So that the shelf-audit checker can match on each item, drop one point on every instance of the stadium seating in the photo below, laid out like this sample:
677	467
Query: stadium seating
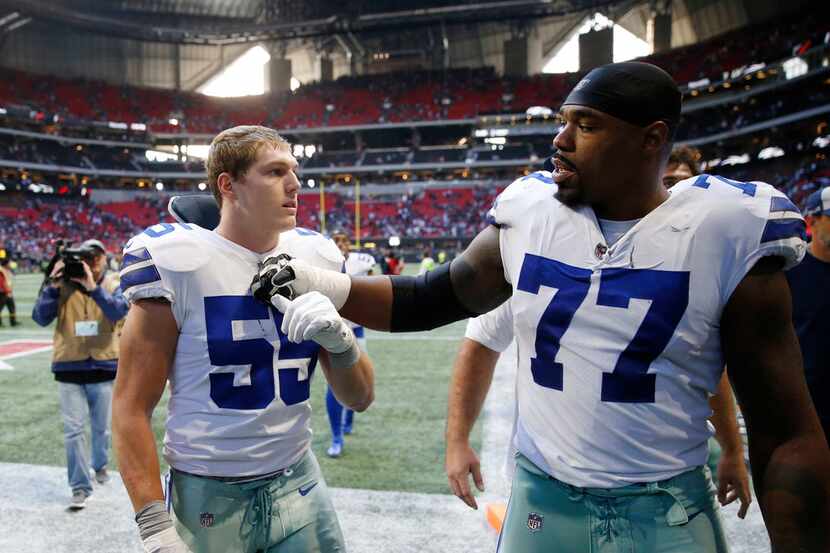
396	97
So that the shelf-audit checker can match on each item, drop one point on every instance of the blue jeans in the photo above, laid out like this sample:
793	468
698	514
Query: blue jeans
79	403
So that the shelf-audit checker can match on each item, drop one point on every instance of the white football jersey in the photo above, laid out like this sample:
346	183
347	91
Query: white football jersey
359	263
238	388
494	329
619	347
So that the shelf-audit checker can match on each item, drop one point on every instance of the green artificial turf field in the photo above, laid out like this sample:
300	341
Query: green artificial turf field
397	444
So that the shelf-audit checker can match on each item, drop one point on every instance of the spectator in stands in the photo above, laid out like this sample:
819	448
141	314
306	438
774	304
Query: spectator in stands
6	292
810	289
683	163
89	310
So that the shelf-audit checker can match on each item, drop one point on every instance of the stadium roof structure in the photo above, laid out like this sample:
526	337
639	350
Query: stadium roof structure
234	21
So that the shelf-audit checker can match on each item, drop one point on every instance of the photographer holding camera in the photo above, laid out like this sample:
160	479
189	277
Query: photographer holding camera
87	302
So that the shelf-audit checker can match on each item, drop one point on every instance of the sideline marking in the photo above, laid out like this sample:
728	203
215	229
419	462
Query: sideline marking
12	349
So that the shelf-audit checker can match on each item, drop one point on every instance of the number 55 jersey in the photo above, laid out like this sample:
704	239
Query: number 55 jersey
238	388
619	346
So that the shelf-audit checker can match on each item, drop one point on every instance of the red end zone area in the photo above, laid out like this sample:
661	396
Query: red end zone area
12	349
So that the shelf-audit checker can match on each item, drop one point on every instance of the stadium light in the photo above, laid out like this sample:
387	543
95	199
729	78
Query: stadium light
770	152
539	111
795	67
202	186
159	186
822	141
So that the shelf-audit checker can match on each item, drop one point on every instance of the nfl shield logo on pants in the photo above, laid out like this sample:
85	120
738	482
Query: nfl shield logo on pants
534	522
206	520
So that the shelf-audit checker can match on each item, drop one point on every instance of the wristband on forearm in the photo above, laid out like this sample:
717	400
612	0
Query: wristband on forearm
152	519
345	359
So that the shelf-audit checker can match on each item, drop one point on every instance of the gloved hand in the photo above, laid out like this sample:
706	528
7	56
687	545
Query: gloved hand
288	277
312	316
166	541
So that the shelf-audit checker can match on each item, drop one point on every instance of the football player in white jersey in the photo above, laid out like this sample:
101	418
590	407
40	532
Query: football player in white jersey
341	420
627	301
243	477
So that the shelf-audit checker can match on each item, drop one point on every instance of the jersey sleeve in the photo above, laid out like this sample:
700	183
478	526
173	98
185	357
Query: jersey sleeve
785	232
493	330
760	222
155	264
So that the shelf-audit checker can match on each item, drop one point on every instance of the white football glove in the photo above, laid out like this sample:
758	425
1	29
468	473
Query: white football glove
166	541
312	316
291	278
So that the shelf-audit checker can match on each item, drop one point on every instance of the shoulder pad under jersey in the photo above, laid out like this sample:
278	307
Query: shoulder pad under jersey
520	196
153	259
312	247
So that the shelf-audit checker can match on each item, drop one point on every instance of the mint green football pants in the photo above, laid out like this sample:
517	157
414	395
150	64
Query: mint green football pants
291	513
678	515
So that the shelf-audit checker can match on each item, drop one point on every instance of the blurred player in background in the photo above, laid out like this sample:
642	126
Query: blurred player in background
341	419
243	477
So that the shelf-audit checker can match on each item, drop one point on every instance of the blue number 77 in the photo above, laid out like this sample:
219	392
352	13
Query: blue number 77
630	381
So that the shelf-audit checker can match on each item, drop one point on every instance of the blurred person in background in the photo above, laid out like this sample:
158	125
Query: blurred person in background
427	262
810	289
341	419
89	312
7	292
683	163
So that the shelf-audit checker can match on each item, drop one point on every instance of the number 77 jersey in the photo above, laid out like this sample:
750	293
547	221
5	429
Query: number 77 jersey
619	347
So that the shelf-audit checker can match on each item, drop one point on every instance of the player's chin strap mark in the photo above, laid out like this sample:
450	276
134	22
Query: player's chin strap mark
274	277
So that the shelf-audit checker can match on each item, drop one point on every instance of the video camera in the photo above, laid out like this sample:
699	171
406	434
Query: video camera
72	258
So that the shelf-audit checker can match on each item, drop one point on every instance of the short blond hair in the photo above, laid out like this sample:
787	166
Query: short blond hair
234	150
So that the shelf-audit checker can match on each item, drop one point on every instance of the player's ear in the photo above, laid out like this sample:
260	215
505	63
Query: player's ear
656	137
225	185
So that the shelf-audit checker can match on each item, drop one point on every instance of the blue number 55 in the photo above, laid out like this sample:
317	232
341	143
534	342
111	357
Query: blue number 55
220	312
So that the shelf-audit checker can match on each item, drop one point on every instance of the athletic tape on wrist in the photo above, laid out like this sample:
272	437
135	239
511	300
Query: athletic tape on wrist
152	519
345	359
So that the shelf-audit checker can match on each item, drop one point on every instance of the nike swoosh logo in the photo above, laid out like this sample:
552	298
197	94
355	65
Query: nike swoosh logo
304	491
